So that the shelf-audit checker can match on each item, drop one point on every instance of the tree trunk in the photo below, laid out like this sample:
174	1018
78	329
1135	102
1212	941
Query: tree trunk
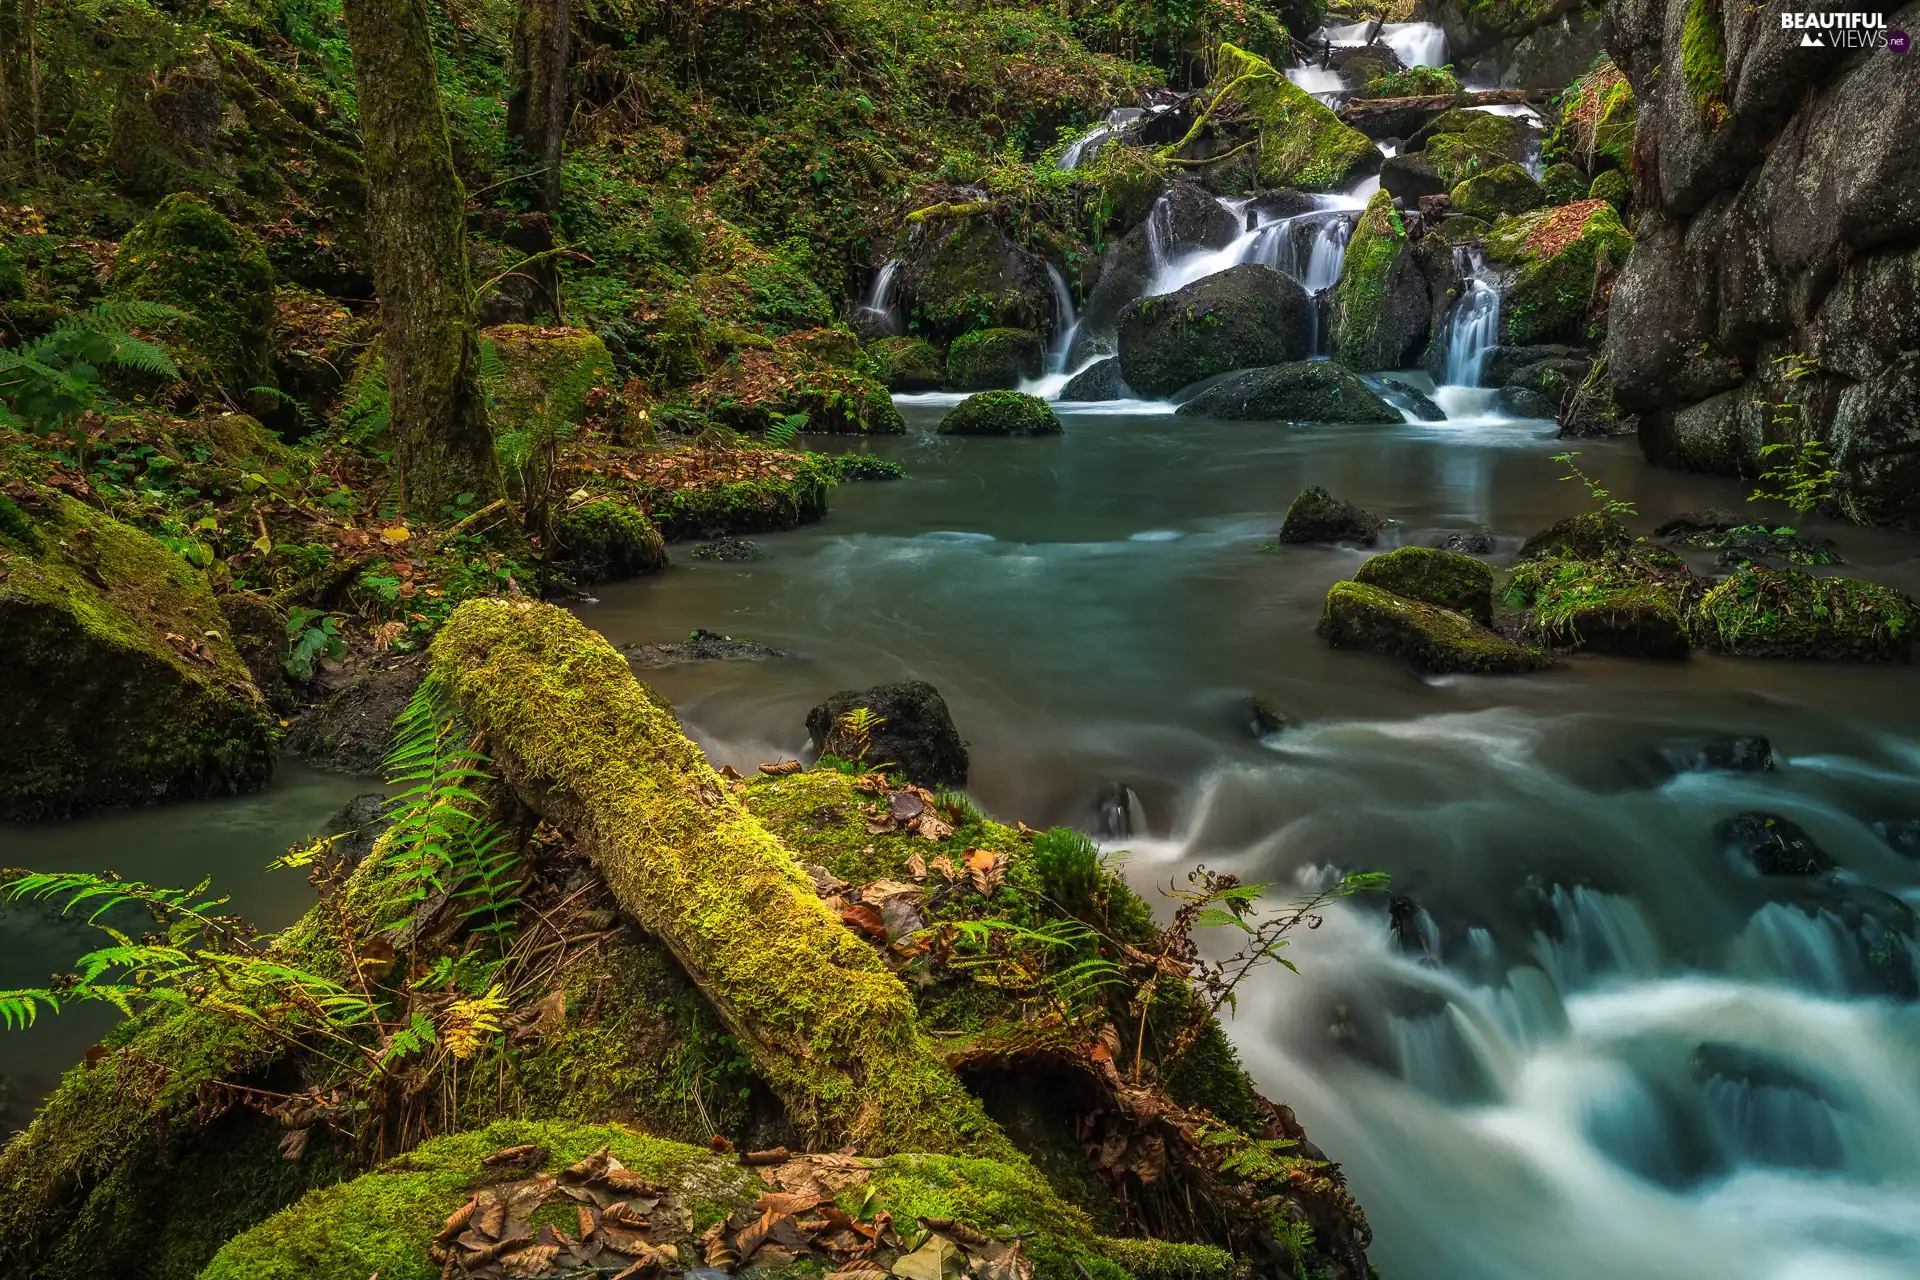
537	112
586	746
417	238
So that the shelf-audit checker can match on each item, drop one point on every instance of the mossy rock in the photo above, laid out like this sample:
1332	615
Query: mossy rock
1318	516
1302	143
1785	613
1507	189
1380	304
1590	536
994	359
541	377
747	499
1001	413
1622	605
1562	260
186	254
240	441
1595	130
914	735
1433	576
605	540
1563	184
1614	187
759	387
1304	391
124	688
1414	82
1433	640
1245	317
965	273
1462	143
907	364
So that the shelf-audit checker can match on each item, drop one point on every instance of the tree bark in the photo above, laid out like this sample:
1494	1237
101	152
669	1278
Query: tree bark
417	237
537	112
1362	108
586	746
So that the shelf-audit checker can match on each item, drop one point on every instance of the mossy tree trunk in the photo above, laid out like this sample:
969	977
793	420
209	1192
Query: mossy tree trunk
584	744
416	233
537	112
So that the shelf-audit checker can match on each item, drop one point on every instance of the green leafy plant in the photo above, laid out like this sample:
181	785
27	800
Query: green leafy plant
312	634
1603	498
859	725
1801	476
782	433
1059	960
48	383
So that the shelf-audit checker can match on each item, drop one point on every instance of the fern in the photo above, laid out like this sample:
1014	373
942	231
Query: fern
303	415
55	378
781	434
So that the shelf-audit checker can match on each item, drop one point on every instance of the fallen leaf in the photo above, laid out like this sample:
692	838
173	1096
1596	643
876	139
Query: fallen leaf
529	1263
879	891
787	1202
986	869
730	773
916	866
938	1259
864	918
782	769
931	827
397	534
293	1143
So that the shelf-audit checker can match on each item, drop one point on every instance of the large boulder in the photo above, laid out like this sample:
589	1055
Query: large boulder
1784	613
1502	365
1506	189
1100	380
1244	317
1000	413
1463	142
1318	516
1591	536
909	730
994	359
1515	43
1433	576
1563	262
1380	305
1629	605
1596	126
605	540
123	687
960	271
1304	391
186	254
907	364
1299	141
1432	640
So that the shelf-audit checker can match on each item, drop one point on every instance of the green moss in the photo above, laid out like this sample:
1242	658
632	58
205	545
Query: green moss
1589	536
1361	340
1463	143
188	255
15	525
1432	640
973	280
604	541
1595	129
537	375
1446	578
994	359
1620	604
907	364
1302	143
1563	184
1414	82
1561	260
1703	60
786	496
1000	413
1614	187
1488	195
1769	613
1164	1260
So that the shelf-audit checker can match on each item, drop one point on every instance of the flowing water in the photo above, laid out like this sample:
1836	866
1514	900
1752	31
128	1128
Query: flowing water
1474	326
1419	44
882	304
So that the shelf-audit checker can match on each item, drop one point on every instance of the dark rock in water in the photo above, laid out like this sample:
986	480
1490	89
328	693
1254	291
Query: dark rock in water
1522	403
1472	544
994	359
1555	381
1409	925
1098	381
1739	544
701	646
1771	845
914	734
1446	578
1585	537
1318	516
1000	413
1412	175
1113	812
1900	835
1502	363
1432	640
1714	520
1241	318
1742	753
729	550
352	730
1360	63
1305	391
1736	1062
1190	217
360	822
1262	720
1418	401
1270	206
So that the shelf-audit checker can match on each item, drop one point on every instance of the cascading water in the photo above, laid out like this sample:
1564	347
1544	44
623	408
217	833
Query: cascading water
1083	147
1475	323
1418	44
880	306
1064	320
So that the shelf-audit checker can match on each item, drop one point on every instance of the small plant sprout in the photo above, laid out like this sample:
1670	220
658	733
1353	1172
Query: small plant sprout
859	725
1800	476
1608	504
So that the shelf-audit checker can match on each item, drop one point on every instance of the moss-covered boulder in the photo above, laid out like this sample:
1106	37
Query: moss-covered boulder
801	373
1381	306
1592	535
1563	261
541	378
1318	516
1304	391
1432	640
1463	142
1614	187
186	254
1245	317
1785	613
1563	184
1000	413
604	540
1595	130
1434	576
123	687
963	272
994	359
1414	82
1507	189
907	364
1629	605
1301	143
913	733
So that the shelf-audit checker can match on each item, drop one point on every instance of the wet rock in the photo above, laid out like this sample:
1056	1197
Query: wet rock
1446	578
1098	381
1270	206
1522	403
958	270
1000	413
1738	542
1245	317
1411	177
1417	401
1380	304
359	823
1628	606
1190	217
1502	190
1734	753
351	731
1318	516
701	646
907	364
606	540
1262	721
1770	845
729	551
1432	640
1305	391
1784	613
1561	262
994	359
1113	808
1563	184
258	630
1503	363
1357	64
1551	382
1408	925
1714	520
1901	835
1472	544
914	735
1583	537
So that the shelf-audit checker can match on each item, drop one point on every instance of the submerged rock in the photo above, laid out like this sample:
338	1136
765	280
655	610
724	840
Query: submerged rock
701	646
606	540
1098	381
1740	753
358	824
1318	516
1433	640
122	686
1902	835
1784	613
1304	391
1001	413
994	359
912	735
1418	401
1472	544
1261	719
1244	317
1446	578
1771	845
729	551
907	364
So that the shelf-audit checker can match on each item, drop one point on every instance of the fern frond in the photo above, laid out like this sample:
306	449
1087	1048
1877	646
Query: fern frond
118	315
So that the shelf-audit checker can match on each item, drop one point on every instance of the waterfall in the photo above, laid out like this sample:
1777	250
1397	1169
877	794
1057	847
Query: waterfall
1418	44
1475	324
1064	321
1323	83
1083	147
880	302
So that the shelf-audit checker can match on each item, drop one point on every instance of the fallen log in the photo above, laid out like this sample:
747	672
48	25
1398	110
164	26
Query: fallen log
586	746
1367	108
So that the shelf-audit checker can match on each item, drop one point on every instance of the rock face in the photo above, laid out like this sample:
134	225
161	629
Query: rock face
1380	305
992	359
907	364
352	730
958	271
1318	516
1304	391
1000	413
914	734
1434	641
1446	578
1784	613
1779	222
1098	381
1244	317
1515	43
122	686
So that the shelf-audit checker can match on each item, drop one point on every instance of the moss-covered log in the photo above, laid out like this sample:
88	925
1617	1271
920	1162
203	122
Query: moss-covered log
416	233
585	745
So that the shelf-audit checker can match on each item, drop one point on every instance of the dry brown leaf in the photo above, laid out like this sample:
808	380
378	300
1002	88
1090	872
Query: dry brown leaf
717	1250
456	1222
522	1154
931	827
293	1143
787	1203
731	774
782	769
588	1223
880	890
944	865
916	866
865	919
986	869
529	1263
492	1222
